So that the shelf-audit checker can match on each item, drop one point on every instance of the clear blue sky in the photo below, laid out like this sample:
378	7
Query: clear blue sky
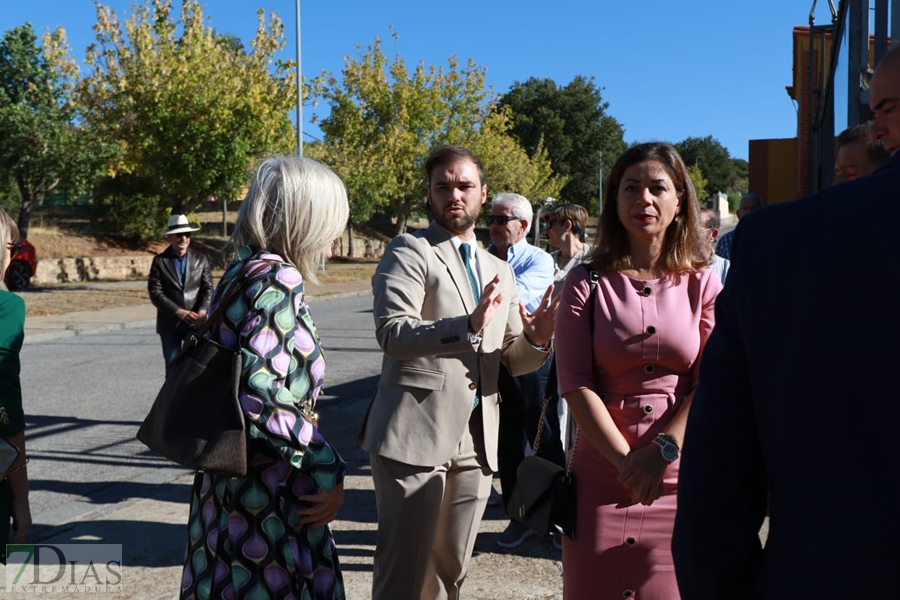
669	69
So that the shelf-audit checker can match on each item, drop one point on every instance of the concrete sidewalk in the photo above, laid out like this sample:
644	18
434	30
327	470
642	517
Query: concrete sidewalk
152	529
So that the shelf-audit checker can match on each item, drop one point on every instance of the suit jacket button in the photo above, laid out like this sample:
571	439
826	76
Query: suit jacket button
630	541
473	386
651	329
647	290
648	409
649	368
628	593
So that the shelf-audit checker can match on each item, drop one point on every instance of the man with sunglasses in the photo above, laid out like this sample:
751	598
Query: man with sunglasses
522	396
180	287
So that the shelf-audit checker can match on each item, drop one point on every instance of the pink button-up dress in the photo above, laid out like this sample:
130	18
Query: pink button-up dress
642	360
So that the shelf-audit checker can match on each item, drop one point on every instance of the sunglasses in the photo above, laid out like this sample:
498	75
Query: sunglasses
14	248
501	220
186	234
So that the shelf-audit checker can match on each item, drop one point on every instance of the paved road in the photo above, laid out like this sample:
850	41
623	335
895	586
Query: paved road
92	481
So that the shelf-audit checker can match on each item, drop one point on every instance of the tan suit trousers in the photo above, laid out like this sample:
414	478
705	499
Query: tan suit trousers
428	518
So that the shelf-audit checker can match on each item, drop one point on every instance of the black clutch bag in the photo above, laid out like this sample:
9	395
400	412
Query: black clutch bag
544	497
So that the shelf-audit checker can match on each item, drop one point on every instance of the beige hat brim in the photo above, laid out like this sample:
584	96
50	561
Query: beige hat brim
182	229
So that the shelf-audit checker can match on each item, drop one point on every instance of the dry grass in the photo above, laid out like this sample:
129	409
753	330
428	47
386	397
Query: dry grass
62	299
339	276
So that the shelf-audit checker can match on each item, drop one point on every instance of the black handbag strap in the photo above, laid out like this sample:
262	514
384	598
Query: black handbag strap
552	377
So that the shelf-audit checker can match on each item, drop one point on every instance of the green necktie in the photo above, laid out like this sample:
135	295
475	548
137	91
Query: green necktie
465	251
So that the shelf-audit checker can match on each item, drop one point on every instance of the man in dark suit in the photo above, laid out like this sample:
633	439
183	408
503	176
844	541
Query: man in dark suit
446	316
180	287
795	410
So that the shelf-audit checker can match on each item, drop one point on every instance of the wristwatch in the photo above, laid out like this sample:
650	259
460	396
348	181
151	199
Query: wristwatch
667	447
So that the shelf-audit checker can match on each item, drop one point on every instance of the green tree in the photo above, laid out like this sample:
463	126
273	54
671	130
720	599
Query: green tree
572	123
507	166
700	183
385	117
41	147
189	107
713	159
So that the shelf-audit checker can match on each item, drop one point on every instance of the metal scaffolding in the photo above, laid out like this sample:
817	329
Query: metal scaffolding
852	16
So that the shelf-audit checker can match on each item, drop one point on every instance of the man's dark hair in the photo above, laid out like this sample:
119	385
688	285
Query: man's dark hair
449	154
710	219
860	134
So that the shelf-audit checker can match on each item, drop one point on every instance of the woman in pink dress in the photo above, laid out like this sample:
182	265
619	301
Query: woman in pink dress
629	379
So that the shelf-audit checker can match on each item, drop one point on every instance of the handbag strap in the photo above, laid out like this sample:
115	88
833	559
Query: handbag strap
245	273
551	380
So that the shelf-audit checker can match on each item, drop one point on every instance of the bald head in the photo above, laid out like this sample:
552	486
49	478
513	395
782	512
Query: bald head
884	100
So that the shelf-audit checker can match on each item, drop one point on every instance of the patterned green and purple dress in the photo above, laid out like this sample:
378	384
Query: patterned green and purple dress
244	536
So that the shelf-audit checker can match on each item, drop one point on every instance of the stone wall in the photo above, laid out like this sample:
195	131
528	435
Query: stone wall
115	268
61	270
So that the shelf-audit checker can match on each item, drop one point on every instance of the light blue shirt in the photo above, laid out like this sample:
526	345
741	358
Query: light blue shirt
720	266
534	272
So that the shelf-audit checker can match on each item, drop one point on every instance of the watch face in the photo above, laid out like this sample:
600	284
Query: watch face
670	452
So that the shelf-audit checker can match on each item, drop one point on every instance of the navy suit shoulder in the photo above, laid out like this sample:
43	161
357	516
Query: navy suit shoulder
794	404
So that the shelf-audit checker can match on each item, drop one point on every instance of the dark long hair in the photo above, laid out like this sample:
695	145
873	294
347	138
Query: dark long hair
683	248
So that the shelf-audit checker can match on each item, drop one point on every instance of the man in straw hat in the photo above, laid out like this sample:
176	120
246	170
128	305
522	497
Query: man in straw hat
180	287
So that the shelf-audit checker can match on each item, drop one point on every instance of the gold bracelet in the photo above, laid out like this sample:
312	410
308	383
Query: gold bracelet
19	468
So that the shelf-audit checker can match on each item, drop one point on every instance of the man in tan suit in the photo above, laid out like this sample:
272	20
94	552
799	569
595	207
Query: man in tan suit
446	316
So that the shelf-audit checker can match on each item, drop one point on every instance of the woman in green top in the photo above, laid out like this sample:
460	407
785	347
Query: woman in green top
14	485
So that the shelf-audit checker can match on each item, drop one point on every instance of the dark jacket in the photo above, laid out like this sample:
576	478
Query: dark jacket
167	292
796	410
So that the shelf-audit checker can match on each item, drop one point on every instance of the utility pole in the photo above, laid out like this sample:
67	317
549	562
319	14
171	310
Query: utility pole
299	90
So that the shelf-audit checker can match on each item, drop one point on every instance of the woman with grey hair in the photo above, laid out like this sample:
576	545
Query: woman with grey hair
267	534
14	483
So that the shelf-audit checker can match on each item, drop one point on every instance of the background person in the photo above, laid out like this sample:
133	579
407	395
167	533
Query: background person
14	487
795	403
522	397
858	154
749	203
709	221
630	380
267	534
566	225
180	287
446	316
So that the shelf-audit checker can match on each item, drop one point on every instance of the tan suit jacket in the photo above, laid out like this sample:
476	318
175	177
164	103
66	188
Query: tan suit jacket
431	370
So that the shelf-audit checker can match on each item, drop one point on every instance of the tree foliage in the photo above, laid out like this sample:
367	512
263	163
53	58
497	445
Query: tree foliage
189	107
385	117
700	183
507	166
41	147
713	159
572	124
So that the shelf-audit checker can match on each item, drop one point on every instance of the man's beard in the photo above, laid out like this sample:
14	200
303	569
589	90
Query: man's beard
455	225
